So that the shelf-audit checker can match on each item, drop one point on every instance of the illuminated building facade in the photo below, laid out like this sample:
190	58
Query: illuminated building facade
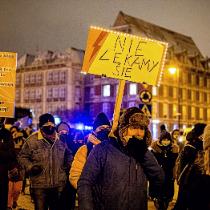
182	99
50	82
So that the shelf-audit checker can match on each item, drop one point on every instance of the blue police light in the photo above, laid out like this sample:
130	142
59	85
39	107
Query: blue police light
79	126
57	119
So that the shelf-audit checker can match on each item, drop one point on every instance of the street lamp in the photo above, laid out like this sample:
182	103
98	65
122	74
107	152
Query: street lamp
174	70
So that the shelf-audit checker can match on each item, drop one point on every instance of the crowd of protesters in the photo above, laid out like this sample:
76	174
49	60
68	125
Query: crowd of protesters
105	172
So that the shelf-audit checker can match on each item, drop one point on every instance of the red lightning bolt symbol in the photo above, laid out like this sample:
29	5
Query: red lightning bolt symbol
97	44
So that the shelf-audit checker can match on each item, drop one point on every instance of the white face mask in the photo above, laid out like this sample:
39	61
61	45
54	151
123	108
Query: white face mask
165	142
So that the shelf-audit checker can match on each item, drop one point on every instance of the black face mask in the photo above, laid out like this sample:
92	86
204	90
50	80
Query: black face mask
136	148
103	134
49	130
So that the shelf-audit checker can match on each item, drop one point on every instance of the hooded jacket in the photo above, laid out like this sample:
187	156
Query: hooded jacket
113	180
54	159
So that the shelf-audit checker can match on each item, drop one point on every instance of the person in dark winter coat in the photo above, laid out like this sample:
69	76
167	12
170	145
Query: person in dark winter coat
101	129
166	153
7	157
69	193
116	171
47	160
190	167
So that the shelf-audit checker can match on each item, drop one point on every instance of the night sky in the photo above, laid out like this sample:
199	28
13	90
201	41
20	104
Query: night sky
28	26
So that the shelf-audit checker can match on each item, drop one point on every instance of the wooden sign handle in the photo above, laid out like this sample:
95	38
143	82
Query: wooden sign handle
117	107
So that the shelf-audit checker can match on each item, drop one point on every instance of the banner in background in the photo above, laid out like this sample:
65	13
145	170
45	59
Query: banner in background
8	64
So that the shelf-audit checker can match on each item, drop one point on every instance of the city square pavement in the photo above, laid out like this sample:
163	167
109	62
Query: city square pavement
25	203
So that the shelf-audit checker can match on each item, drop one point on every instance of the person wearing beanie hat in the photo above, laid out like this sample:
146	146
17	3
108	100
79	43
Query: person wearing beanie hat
114	177
101	119
166	153
101	130
63	128
46	159
190	165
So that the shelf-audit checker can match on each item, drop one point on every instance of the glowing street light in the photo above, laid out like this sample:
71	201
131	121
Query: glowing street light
174	70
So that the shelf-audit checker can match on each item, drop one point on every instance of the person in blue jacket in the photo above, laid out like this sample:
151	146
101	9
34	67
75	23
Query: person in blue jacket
116	172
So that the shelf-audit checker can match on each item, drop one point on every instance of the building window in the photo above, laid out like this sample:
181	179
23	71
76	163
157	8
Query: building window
39	78
131	104
189	94
197	96
26	79
165	110
184	94
18	80
106	108
26	95
17	95
160	90
39	94
62	77
154	91
55	76
201	82
170	92
32	94
50	77
49	93
160	110
98	90
201	114
165	90
62	93
204	97
92	91
132	89
55	93
32	79
77	92
106	90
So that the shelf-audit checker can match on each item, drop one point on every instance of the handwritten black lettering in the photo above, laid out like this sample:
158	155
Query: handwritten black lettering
120	43
131	43
154	65
136	61
102	56
116	56
128	70
144	63
117	71
138	48
128	57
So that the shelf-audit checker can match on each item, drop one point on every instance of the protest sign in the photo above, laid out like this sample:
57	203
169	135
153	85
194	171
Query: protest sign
8	63
123	56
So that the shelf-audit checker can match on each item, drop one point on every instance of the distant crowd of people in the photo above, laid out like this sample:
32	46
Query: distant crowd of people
121	171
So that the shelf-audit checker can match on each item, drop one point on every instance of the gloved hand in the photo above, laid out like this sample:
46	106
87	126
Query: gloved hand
35	170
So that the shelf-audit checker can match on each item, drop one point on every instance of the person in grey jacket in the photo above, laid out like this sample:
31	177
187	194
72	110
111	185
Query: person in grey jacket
47	160
116	172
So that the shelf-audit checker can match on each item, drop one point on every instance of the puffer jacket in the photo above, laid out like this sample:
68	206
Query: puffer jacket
112	180
54	159
78	165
